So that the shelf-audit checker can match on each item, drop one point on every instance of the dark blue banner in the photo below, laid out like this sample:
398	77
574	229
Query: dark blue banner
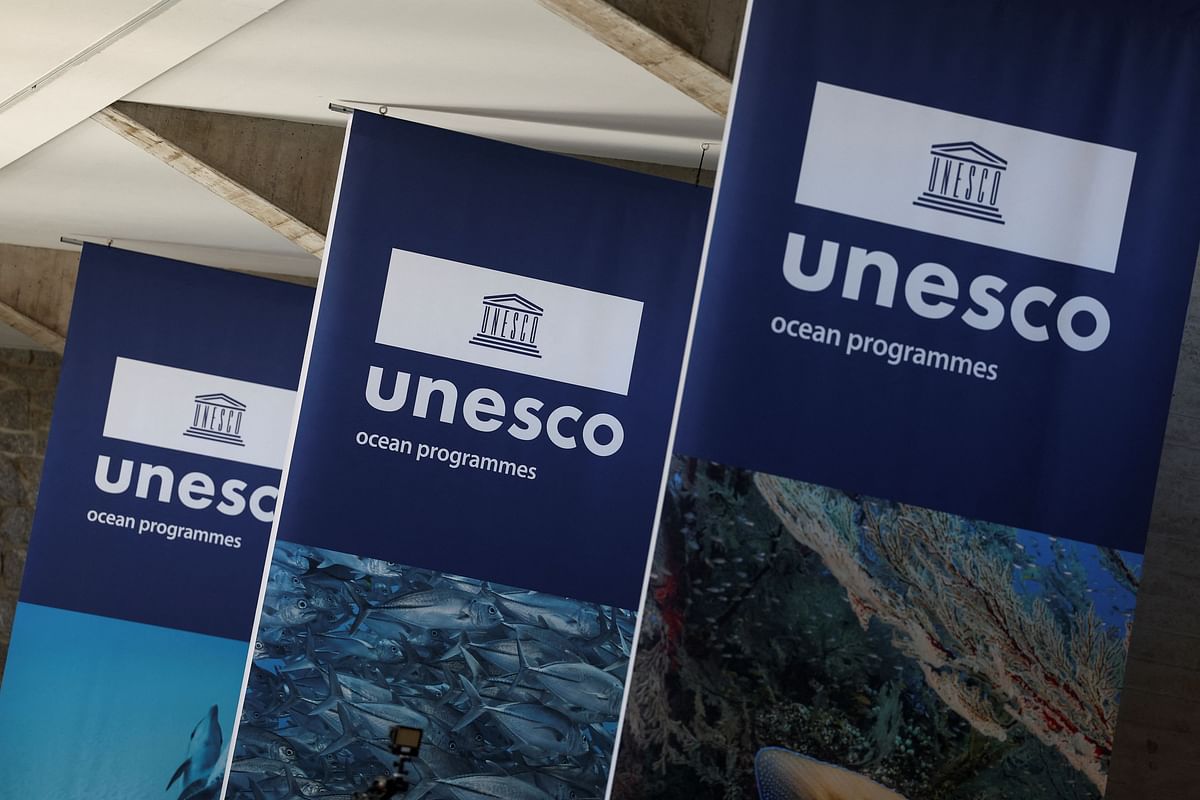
158	489
945	284
476	467
947	273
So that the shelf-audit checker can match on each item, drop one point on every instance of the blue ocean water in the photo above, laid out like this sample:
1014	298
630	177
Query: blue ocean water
1054	564
103	709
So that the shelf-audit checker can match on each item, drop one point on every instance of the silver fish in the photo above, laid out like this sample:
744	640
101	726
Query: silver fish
259	766
565	783
387	651
579	684
502	653
492	787
449	609
567	617
379	718
363	566
287	610
265	742
358	689
297	558
283	579
537	727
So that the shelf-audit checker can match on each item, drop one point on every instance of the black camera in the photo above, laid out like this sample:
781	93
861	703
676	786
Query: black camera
405	745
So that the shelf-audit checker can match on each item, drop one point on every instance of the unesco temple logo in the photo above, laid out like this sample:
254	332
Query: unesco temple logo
964	179
218	418
510	322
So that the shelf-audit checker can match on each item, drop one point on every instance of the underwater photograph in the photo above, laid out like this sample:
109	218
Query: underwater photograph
517	692
802	643
107	709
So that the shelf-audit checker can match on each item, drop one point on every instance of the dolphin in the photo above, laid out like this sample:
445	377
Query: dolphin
204	750
208	786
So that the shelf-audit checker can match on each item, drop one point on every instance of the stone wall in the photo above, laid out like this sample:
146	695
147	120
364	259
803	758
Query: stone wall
28	379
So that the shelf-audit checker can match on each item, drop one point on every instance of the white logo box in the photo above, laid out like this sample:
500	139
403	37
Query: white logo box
1062	199
435	306
154	404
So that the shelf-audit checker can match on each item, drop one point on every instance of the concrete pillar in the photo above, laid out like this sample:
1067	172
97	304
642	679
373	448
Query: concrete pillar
1156	755
292	164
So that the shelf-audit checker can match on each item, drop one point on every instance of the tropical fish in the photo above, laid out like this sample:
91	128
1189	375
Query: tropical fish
784	775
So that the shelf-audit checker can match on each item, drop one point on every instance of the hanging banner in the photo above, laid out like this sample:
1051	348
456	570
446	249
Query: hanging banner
158	489
944	290
475	471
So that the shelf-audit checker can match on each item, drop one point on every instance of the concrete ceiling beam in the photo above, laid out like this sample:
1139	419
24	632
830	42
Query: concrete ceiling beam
281	173
690	44
711	30
165	34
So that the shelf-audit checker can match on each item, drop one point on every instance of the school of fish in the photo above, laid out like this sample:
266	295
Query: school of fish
518	692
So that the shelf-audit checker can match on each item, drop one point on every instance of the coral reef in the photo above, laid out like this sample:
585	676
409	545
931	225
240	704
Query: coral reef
993	656
942	658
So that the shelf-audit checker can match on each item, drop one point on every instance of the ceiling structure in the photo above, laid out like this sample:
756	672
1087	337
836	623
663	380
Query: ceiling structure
539	73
